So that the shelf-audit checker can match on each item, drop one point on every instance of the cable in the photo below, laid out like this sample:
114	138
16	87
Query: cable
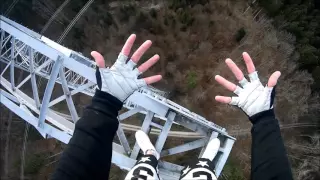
64	34
54	16
11	7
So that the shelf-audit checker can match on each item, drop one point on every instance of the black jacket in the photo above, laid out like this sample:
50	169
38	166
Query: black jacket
88	154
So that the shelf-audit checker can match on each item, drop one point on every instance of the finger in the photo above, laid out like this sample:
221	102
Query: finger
131	64
145	66
254	76
98	59
235	69
235	101
249	63
223	99
244	82
128	45
225	83
140	51
152	79
274	79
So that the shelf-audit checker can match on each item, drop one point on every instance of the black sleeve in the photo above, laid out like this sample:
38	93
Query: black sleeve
269	159
88	154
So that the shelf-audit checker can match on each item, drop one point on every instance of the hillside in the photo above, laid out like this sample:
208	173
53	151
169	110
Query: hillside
193	38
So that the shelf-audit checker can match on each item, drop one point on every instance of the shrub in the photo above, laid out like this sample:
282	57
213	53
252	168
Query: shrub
156	28
78	32
272	6
207	9
33	163
192	80
211	23
295	28
153	13
316	41
126	11
142	17
143	21
172	57
33	134
240	34
232	172
109	19
185	18
183	28
169	20
308	56
175	4
316	77
166	21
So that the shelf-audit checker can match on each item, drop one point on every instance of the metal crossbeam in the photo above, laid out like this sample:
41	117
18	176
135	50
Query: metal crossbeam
33	79
42	58
67	94
12	64
48	91
123	140
165	131
185	147
145	128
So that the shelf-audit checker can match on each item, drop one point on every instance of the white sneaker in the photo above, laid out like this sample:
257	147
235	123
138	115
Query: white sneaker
145	143
211	149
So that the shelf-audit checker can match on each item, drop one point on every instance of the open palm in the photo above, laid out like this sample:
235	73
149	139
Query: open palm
252	97
121	80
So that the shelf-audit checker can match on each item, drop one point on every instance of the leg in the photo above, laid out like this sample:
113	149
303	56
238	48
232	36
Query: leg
203	168
146	167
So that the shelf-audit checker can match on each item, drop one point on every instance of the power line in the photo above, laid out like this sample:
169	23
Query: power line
54	16
23	152
6	148
73	22
11	7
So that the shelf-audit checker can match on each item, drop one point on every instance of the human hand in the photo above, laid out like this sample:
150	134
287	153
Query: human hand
121	80
253	97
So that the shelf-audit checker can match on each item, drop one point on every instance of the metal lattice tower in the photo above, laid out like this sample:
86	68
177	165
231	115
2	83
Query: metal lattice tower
42	58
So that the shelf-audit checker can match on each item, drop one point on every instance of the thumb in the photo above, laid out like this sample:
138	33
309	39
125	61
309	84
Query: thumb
274	79
98	59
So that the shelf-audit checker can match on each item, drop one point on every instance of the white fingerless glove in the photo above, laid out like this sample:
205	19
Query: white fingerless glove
121	80
253	97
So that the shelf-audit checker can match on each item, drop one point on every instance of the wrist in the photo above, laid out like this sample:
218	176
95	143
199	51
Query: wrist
268	114
102	101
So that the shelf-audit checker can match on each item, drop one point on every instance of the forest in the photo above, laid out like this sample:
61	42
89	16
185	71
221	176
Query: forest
193	38
302	19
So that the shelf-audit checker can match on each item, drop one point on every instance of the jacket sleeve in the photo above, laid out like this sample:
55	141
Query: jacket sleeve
88	154
269	159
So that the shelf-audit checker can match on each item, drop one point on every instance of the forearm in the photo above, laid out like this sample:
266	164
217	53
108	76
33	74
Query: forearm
269	159
88	154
